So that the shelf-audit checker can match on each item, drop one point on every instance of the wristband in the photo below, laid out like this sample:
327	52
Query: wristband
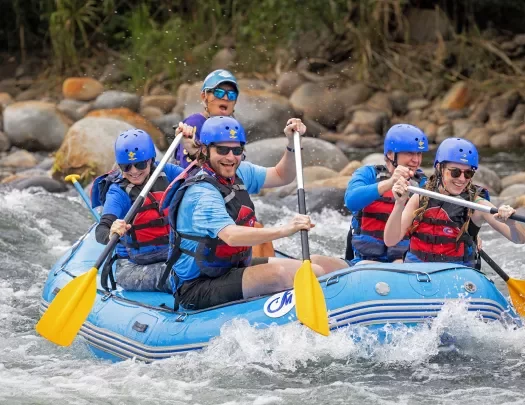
291	150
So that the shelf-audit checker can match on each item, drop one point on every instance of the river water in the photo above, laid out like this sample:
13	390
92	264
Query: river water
244	365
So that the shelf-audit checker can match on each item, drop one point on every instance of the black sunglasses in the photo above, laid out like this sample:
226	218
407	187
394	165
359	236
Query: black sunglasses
225	150
456	173
219	93
139	166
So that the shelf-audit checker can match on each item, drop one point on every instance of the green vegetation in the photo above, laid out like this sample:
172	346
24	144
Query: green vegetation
178	38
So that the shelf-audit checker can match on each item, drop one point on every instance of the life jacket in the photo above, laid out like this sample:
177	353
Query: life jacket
434	238
213	256
148	239
367	239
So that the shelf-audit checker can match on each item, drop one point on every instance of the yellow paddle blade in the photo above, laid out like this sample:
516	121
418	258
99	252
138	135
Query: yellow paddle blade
310	304
517	294
70	308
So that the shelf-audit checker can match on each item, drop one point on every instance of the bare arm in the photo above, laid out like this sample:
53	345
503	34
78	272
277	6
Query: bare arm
235	235
400	220
283	173
510	229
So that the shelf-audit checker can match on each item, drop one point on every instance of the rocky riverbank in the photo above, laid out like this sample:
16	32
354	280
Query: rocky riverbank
45	138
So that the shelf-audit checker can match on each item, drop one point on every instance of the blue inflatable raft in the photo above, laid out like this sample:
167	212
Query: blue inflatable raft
127	324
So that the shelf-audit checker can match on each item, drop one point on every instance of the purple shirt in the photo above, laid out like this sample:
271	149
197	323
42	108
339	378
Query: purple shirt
196	121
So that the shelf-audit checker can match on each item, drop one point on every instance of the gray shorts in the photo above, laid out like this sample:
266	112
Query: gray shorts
141	277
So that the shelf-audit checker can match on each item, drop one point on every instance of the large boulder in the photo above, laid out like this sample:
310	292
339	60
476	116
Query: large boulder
35	125
263	114
82	88
316	152
136	120
516	178
287	82
88	148
192	98
164	102
19	159
488	178
47	183
117	99
325	105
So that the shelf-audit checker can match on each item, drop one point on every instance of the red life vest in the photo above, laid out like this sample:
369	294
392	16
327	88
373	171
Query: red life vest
368	236
150	226
435	236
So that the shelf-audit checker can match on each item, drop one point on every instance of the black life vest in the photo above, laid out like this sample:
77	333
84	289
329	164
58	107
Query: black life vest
213	256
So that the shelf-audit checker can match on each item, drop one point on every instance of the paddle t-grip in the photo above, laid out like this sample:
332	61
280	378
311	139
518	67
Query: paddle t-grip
515	217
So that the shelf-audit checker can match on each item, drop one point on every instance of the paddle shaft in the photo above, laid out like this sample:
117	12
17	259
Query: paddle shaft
461	202
82	193
494	265
113	240
300	192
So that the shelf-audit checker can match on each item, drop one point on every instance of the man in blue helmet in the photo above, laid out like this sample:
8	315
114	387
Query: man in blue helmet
441	231
143	248
219	95
213	217
369	197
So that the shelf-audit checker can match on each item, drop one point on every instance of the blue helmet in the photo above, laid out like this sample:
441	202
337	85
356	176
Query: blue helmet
134	145
457	150
217	77
405	138
222	129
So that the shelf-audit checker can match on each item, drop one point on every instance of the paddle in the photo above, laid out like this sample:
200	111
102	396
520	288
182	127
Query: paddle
70	308
74	179
310	304
516	287
461	202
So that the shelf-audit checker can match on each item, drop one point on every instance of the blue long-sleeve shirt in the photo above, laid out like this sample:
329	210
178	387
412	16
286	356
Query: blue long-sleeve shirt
363	190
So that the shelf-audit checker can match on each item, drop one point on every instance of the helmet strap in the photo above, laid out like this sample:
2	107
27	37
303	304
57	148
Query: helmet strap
394	162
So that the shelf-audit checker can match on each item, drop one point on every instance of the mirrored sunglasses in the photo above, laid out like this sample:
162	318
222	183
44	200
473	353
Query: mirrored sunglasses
219	93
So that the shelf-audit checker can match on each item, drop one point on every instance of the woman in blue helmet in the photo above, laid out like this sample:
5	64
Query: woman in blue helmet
219	95
212	219
143	247
369	197
441	231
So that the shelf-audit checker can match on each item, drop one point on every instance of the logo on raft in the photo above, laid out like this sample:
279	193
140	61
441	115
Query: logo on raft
279	304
